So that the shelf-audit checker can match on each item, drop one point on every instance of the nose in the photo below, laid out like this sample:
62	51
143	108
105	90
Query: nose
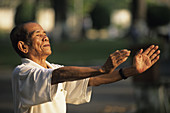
45	38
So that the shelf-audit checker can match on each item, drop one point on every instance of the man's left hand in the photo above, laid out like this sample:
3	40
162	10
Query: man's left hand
144	60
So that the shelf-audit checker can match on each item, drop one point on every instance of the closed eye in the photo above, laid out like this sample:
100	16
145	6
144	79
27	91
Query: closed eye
41	35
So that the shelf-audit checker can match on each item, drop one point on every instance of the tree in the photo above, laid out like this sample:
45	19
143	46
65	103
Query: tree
157	15
100	17
25	12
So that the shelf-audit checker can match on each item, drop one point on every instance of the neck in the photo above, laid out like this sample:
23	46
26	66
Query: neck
39	60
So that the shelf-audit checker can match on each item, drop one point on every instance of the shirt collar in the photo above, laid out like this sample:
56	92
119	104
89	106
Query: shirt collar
29	61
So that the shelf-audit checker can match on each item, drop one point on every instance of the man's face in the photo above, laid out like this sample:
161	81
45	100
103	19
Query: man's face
40	45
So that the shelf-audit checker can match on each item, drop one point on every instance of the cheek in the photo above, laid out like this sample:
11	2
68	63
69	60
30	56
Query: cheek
36	46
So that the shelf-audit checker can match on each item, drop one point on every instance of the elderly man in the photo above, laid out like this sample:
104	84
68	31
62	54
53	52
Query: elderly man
42	87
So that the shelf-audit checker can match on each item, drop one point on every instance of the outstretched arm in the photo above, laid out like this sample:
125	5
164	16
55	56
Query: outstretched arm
71	73
142	61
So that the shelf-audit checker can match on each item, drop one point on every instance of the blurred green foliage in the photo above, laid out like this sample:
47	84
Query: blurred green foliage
100	17
87	52
101	11
89	5
25	12
157	15
68	53
84	52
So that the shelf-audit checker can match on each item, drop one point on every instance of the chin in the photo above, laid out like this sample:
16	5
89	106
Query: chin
49	53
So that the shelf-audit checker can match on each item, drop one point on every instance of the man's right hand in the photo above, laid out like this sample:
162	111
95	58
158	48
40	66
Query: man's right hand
71	73
114	60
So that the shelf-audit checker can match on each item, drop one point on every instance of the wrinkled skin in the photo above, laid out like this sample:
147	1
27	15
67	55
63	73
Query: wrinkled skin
144	60
115	59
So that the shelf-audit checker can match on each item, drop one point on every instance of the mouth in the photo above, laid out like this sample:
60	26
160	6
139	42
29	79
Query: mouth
47	45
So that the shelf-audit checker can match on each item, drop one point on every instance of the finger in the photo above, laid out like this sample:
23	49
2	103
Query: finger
125	51
139	52
125	54
121	60
155	60
148	49
152	51
121	56
115	53
155	54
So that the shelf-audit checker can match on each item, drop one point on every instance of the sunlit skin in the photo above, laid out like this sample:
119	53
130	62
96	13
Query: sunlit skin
144	60
40	49
141	62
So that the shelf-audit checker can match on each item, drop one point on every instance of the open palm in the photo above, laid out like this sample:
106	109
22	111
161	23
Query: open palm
144	60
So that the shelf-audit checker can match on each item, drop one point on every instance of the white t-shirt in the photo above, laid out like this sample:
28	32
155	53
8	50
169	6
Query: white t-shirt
33	92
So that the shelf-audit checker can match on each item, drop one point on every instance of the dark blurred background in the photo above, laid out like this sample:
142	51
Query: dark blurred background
84	33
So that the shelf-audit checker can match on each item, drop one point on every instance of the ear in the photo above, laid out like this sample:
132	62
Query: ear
23	47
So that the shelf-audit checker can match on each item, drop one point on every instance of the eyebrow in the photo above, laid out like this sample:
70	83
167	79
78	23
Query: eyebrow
35	31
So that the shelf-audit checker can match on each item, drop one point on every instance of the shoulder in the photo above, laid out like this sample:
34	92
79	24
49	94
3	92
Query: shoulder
21	68
57	65
53	65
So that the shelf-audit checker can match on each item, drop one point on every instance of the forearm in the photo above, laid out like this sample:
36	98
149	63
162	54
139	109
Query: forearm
71	73
112	77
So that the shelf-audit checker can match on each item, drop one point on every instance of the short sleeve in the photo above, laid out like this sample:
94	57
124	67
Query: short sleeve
78	91
35	86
